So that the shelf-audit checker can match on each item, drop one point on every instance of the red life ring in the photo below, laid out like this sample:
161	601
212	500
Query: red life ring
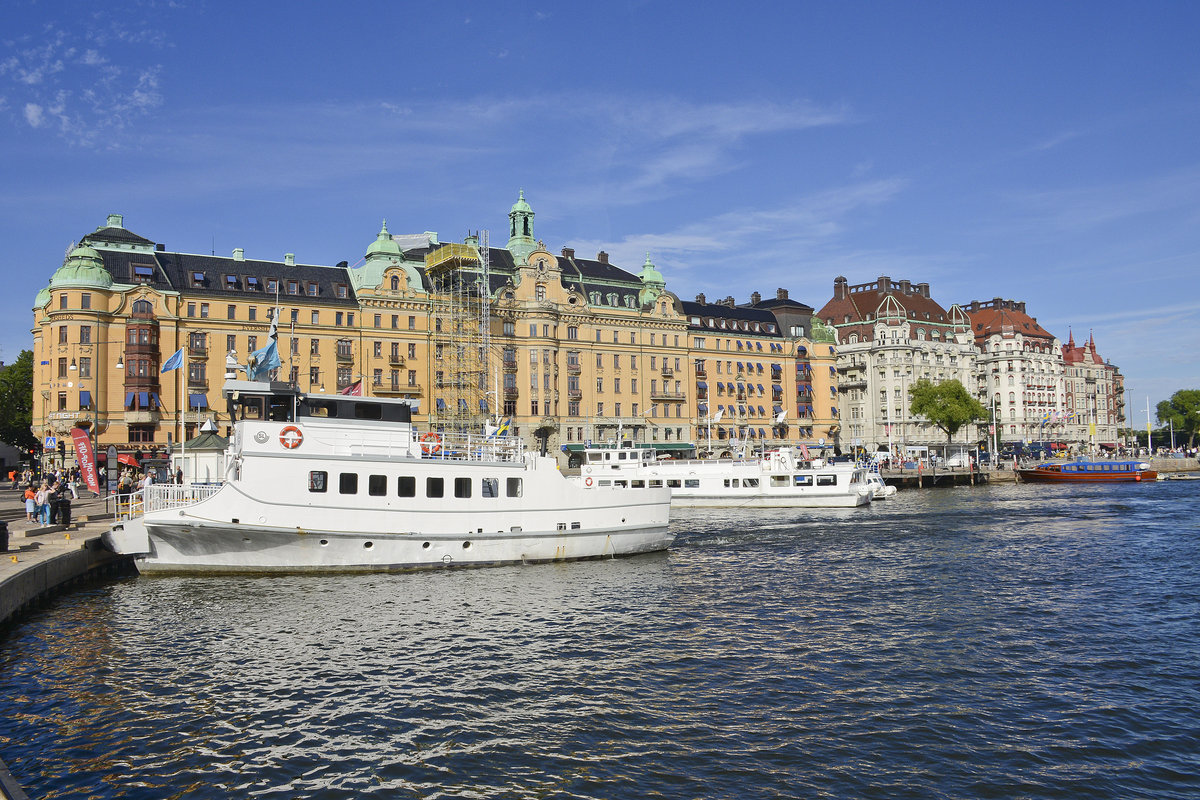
587	481
431	443
291	437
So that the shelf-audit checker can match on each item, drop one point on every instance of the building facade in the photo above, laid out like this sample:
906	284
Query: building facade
891	334
569	350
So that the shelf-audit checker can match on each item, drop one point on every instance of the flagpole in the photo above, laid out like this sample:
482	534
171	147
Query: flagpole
183	417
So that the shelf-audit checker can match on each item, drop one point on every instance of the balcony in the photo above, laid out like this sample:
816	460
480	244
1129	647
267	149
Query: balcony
511	392
663	394
345	354
856	384
396	360
396	388
141	383
667	372
574	394
701	372
141	349
510	365
575	368
141	417
197	351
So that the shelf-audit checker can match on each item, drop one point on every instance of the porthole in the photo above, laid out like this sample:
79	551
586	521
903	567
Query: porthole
368	545
425	546
324	542
466	545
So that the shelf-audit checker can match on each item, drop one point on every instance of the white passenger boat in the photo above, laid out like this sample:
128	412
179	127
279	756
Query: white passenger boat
337	483
776	479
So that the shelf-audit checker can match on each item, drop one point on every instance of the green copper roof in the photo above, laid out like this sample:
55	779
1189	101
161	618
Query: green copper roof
521	205
384	244
82	268
650	273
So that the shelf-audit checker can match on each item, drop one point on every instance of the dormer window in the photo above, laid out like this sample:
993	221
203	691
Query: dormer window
252	283
272	285
340	291
395	283
231	281
293	287
198	278
143	272
312	289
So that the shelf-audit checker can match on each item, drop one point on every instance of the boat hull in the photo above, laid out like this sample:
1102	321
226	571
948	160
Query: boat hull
227	548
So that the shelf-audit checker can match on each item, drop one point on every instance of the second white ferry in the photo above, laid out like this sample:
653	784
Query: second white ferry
776	479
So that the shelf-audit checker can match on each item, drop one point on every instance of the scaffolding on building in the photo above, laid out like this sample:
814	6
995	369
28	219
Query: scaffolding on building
459	282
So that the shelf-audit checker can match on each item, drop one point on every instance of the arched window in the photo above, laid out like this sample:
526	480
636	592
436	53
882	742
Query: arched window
1012	398
920	334
540	291
395	283
143	307
1011	378
853	338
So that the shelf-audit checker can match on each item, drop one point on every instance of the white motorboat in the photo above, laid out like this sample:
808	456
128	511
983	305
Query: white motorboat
334	483
776	479
879	489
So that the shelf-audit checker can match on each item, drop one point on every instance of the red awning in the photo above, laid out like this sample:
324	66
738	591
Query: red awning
125	458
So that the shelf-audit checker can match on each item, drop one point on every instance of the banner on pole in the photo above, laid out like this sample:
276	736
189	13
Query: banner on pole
85	457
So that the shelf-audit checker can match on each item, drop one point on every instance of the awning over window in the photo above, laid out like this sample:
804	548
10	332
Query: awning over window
85	399
749	433
129	399
462	405
702	408
762	433
701	385
197	401
760	388
483	406
776	409
153	400
441	404
762	410
143	399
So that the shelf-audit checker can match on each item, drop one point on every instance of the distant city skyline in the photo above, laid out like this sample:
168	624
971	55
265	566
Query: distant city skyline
1042	153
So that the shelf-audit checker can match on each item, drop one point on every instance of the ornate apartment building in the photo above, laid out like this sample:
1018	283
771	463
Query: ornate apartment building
891	334
569	349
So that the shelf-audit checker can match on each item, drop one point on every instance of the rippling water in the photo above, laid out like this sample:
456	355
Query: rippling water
1039	642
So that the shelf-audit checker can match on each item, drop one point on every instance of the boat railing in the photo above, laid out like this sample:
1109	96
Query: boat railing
472	447
157	497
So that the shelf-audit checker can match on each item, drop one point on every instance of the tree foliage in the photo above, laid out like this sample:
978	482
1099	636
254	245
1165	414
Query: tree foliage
947	405
16	402
1182	412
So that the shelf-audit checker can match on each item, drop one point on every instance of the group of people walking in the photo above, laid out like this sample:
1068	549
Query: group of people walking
50	502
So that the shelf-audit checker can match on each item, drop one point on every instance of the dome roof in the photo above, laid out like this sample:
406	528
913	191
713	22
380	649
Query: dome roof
650	273
521	205
84	268
384	244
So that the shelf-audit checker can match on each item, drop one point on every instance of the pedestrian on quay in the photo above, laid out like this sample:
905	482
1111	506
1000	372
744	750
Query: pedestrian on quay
12	477
43	506
30	503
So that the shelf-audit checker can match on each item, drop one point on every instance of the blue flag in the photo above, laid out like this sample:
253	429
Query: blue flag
261	362
174	362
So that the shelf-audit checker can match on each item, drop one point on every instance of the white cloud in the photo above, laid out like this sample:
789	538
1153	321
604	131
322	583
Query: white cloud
34	115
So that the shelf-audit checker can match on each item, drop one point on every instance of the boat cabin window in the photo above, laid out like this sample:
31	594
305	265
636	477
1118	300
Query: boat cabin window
674	483
605	483
406	486
621	456
595	457
317	409
827	480
655	484
435	487
639	484
348	483
318	481
691	483
462	487
489	487
731	483
621	484
377	485
368	411
780	480
514	487
802	480
750	482
576	526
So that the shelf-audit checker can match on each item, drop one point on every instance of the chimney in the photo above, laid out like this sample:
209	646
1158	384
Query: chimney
239	254
602	257
1021	307
905	287
755	298
162	248
885	283
729	301
781	294
923	289
841	289
116	221
568	252
701	299
289	259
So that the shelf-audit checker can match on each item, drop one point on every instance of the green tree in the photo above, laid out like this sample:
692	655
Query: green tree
1182	412
16	402
947	405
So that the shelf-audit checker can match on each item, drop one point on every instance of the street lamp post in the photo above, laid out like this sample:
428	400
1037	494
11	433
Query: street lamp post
93	420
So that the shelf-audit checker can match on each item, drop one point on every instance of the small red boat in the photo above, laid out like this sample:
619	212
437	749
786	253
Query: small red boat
1089	472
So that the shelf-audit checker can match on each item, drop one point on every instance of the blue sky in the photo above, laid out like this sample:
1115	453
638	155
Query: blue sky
1045	152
